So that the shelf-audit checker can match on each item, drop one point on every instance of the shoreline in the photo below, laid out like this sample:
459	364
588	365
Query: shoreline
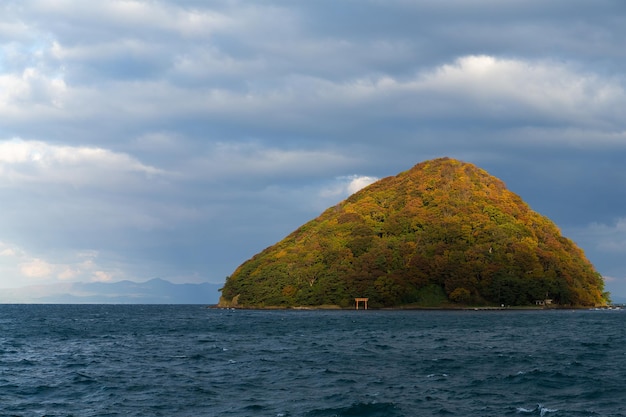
417	308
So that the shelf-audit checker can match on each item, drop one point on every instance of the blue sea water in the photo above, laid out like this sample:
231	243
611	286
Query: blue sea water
142	360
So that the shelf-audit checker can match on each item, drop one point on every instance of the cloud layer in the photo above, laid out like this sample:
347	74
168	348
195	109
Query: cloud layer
176	139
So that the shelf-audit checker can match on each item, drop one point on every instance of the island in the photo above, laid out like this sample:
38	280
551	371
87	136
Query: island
443	234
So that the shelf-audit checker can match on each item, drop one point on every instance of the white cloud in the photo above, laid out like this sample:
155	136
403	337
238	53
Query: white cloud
36	268
347	185
24	161
9	251
359	182
544	86
489	88
31	88
18	267
102	276
67	273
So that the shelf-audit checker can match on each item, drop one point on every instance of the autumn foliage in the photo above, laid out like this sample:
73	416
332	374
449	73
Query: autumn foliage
443	233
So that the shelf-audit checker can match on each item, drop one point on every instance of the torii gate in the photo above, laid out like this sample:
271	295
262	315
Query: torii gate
363	300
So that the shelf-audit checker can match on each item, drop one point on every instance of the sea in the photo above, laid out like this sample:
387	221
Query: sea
189	360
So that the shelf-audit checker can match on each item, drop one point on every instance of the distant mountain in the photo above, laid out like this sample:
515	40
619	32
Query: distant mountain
442	233
154	291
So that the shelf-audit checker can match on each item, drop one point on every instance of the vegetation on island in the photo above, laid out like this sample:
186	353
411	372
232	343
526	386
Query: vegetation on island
440	234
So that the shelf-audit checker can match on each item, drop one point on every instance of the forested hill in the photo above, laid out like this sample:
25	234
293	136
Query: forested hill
442	233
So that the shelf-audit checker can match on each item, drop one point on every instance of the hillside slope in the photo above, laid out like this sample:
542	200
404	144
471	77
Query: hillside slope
444	232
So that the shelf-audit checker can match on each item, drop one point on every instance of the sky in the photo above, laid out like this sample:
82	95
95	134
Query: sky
176	139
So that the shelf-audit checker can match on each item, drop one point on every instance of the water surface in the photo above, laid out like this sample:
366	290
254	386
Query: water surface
117	360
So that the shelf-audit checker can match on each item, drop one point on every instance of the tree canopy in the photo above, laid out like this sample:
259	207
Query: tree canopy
442	233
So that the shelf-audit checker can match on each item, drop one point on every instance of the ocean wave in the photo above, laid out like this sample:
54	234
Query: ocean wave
359	410
538	410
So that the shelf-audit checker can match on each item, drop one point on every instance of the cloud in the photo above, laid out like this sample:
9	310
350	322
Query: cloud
7	252
68	274
174	138
504	85
227	169
606	237
123	16
36	268
482	89
101	276
258	86
347	185
359	182
13	30
605	246
253	160
31	88
18	267
23	162
478	88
